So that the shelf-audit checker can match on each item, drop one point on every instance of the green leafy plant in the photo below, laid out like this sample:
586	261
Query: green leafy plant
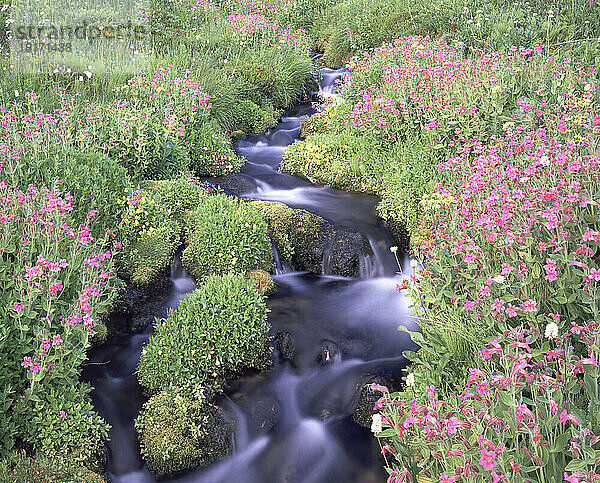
226	235
218	330
20	468
150	235
56	285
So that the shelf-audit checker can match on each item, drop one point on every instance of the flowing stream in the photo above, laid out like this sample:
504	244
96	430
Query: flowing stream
293	423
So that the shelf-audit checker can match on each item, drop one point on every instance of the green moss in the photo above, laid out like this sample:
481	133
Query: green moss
226	235
100	334
218	331
147	258
178	433
151	229
294	231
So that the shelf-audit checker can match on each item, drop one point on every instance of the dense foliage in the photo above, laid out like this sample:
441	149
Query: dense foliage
226	235
218	330
94	140
507	243
567	29
483	145
57	281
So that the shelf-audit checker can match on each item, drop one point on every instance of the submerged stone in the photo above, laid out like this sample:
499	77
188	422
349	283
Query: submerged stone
285	346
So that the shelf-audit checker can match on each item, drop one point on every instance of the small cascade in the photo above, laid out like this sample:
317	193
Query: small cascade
368	266
181	280
280	267
326	263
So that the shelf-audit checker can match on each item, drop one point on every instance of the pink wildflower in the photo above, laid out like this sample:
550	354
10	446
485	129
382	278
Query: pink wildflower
488	459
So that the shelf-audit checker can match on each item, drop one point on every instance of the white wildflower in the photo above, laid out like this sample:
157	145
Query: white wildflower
393	249
376	426
551	331
410	380
413	263
16	93
499	279
587	87
544	161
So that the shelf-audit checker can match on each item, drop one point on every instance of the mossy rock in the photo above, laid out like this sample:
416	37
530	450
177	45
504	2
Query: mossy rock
100	334
180	432
150	257
296	233
262	281
308	242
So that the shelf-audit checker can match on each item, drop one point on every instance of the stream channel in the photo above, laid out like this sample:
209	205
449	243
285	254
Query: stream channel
293	423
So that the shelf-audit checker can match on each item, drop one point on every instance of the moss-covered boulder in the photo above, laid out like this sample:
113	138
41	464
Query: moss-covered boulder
308	242
178	433
152	225
226	235
296	233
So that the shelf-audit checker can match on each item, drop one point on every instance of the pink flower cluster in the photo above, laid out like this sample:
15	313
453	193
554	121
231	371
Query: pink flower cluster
255	23
508	406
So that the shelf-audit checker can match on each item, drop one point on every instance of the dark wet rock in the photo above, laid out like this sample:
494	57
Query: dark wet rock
328	352
355	348
264	416
235	184
342	249
284	344
399	233
366	399
136	307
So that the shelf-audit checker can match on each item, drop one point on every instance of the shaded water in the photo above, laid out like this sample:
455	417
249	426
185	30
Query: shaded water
293	423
